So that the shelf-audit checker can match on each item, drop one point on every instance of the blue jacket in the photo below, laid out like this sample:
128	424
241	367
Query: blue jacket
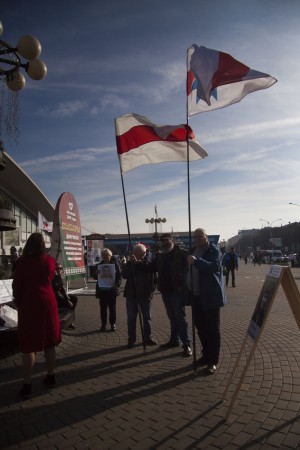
212	292
226	260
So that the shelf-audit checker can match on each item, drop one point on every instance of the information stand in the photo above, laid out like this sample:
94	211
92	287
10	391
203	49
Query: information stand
278	275
6	295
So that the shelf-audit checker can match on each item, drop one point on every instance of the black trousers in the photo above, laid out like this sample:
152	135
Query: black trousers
63	302
108	302
232	271
207	324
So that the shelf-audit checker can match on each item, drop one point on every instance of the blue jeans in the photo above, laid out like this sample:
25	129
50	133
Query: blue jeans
132	312
174	304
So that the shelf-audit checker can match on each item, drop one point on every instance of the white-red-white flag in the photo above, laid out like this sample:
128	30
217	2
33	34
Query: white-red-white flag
43	223
140	141
215	80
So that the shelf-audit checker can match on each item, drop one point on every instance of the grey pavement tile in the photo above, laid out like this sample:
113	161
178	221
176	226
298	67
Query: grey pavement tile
108	396
291	440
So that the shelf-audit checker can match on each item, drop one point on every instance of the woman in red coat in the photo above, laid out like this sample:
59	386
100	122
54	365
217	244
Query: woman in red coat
38	322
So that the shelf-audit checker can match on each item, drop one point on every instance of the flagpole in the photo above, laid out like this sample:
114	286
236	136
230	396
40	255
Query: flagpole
130	246
190	226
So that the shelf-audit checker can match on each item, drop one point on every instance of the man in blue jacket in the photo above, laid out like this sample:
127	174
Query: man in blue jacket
205	282
231	263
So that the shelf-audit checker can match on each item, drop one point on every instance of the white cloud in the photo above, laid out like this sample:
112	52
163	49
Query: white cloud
64	109
273	128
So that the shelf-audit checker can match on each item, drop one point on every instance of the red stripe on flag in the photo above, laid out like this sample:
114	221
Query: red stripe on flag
144	134
190	79
229	71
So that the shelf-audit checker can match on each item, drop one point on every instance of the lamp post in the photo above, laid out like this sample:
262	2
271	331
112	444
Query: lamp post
155	220
13	59
270	225
263	220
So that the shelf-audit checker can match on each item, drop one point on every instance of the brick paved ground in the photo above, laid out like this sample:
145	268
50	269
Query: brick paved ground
109	397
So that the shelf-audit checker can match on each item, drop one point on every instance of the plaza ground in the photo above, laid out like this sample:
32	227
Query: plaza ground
113	398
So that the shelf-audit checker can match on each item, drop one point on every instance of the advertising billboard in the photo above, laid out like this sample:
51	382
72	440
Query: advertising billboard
66	241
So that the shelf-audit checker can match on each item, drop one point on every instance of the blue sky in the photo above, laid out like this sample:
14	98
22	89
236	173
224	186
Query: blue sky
109	58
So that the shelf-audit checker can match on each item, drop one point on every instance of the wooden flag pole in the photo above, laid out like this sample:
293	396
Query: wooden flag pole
292	294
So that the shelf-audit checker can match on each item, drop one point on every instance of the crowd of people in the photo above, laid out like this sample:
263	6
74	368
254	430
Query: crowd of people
183	278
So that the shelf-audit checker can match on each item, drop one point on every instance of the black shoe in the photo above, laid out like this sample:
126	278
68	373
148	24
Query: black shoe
211	368
201	362
25	392
187	351
49	381
150	341
170	344
130	344
233	285
103	328
113	327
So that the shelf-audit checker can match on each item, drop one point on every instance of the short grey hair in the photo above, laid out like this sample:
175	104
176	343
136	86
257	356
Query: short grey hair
106	251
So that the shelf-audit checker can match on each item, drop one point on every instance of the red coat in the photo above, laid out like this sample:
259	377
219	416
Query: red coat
38	322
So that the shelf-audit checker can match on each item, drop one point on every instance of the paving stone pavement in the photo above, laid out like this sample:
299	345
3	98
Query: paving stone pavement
113	398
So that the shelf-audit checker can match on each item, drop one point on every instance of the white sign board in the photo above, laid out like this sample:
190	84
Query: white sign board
6	291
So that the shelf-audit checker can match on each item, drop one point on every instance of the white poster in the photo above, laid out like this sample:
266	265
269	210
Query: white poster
106	276
6	291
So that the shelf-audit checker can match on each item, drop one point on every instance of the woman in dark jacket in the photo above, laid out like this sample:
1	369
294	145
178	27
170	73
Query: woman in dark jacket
107	288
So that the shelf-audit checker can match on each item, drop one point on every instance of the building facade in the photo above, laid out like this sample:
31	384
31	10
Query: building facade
26	200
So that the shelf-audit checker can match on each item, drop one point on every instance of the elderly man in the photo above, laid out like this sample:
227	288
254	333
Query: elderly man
139	288
205	282
171	268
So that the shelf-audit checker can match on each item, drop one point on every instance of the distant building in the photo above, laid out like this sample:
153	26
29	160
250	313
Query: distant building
119	243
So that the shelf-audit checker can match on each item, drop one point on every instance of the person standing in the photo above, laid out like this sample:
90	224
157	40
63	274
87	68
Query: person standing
38	322
139	288
205	282
63	299
14	256
172	267
107	294
231	263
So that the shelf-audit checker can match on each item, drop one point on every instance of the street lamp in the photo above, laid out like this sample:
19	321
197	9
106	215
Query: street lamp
263	220
156	220
271	234
277	220
270	223
25	55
